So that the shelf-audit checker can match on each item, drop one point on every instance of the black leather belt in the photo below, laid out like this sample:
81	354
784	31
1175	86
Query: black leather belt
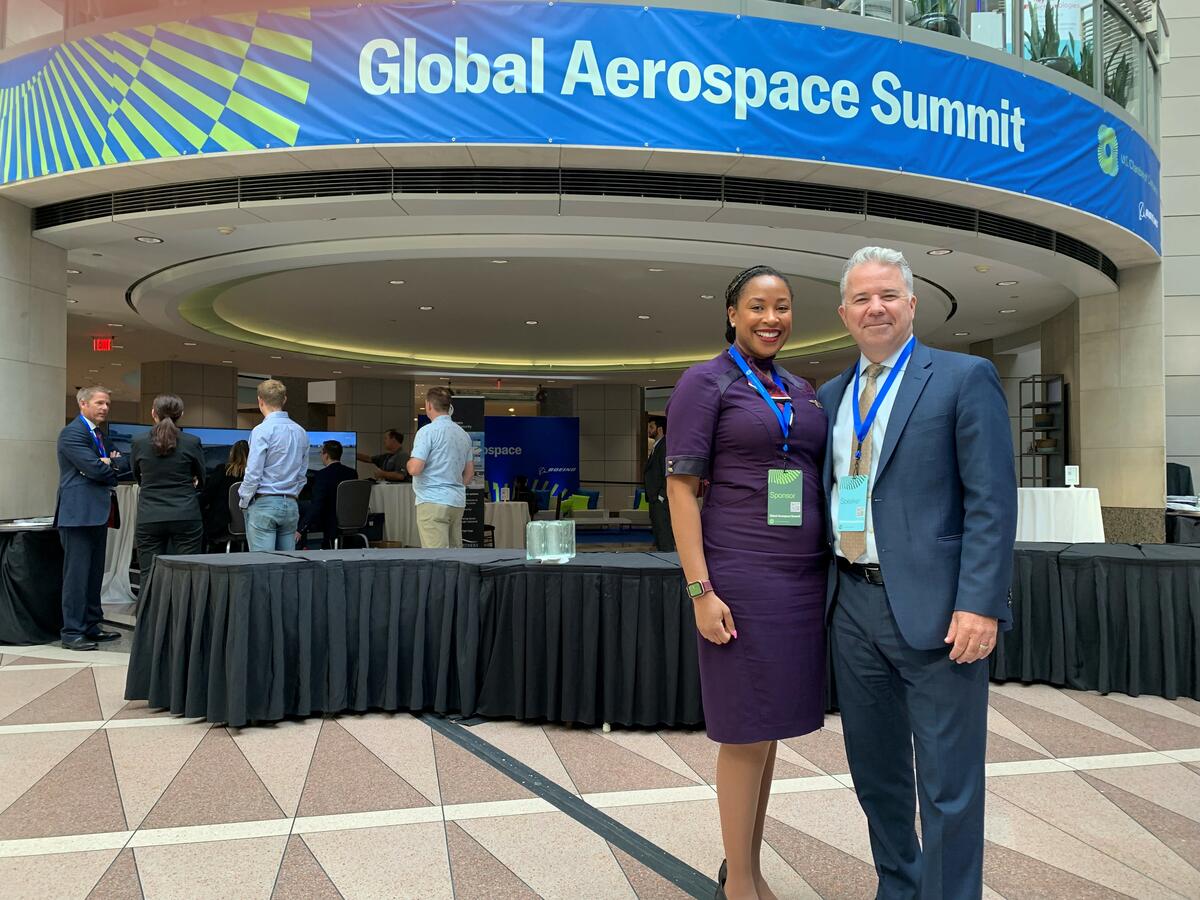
284	496
870	574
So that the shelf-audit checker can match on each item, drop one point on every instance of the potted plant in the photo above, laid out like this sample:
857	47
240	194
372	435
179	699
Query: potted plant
936	15
1044	44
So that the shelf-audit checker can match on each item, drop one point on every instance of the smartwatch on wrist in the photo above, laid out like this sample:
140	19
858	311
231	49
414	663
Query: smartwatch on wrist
698	588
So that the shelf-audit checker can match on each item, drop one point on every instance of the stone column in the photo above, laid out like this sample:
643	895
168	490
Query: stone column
612	441
370	406
1181	233
33	364
209	393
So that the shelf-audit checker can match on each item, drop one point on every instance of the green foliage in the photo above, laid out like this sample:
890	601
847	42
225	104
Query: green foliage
1042	40
933	7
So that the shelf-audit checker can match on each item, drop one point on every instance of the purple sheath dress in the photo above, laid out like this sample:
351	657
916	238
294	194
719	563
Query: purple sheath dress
769	683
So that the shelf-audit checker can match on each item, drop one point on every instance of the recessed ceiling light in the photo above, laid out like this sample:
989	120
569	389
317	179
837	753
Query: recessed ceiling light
983	268
118	346
227	362
531	321
706	296
115	325
510	409
654	270
551	381
74	272
337	371
93	370
98	255
940	251
1006	312
500	262
961	333
148	239
643	318
396	281
1005	283
425	308
366	367
189	343
114	364
276	357
69	300
814	362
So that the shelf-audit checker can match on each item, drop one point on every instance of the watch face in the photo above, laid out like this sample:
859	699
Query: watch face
695	589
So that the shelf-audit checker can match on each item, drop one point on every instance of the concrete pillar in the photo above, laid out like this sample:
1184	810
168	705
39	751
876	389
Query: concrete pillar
370	406
33	364
558	402
612	441
209	393
1120	397
1181	233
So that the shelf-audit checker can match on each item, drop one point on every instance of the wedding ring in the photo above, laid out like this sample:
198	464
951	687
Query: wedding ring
983	645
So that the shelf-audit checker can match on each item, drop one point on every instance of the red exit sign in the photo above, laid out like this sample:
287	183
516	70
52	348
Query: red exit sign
102	344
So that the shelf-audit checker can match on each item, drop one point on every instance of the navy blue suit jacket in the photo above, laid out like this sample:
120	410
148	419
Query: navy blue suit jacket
321	514
944	501
85	485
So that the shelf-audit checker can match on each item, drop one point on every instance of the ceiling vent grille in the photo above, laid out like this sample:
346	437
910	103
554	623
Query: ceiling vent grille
581	182
307	185
798	195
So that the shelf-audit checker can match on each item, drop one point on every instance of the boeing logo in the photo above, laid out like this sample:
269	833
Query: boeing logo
1144	213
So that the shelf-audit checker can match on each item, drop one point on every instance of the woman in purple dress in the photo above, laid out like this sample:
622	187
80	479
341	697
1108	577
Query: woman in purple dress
756	576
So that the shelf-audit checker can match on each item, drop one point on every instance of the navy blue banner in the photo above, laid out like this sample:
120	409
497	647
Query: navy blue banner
569	74
544	449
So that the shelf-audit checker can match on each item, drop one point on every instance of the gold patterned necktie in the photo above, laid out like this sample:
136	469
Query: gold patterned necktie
854	543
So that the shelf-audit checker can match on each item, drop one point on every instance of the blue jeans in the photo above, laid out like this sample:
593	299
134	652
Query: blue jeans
271	523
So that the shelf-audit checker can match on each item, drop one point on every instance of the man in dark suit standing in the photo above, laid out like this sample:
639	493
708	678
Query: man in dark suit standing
85	510
923	504
321	513
655	481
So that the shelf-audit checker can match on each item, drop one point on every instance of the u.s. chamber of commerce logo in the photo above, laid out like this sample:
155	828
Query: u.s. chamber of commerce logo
1106	150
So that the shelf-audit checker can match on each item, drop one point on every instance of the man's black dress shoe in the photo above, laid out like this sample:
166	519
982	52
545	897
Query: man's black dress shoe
101	636
79	643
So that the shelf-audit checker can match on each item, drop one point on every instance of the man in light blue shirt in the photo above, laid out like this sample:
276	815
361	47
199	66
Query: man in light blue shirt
441	466
275	472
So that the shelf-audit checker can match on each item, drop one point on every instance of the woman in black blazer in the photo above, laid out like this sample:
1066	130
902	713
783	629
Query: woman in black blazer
169	466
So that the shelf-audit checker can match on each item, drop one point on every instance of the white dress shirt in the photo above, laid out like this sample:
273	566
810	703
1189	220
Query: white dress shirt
843	431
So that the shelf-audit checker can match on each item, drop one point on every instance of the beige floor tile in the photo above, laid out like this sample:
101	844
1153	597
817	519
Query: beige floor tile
827	871
74	700
1172	709
478	875
1062	736
599	766
401	861
18	687
61	876
1175	787
833	817
1160	732
120	881
1178	832
110	686
646	883
146	760
998	724
699	752
301	876
345	777
1060	702
402	741
1070	803
1010	826
214	870
1016	875
465	778
25	758
528	744
555	855
280	755
824	748
692	832
651	746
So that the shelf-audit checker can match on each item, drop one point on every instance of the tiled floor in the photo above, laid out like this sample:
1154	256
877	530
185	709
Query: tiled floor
1090	797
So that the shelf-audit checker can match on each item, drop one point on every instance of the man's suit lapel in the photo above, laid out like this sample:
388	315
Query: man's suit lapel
916	376
837	390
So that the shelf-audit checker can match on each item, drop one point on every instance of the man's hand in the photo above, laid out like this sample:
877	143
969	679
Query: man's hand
106	460
973	636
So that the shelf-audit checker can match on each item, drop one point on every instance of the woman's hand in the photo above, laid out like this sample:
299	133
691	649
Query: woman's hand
713	619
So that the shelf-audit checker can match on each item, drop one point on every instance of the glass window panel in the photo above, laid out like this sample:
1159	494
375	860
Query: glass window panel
934	15
84	11
989	22
1060	34
871	9
1121	66
29	19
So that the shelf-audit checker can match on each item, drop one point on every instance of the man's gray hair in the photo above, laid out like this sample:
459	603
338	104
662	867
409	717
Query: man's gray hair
84	395
884	255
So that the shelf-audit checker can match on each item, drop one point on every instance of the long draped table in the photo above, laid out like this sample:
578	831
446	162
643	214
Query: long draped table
399	507
606	638
31	563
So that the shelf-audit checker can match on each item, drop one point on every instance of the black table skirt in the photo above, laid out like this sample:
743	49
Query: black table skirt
31	565
606	638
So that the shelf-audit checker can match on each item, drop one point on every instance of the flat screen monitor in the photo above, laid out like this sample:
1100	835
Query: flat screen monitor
218	441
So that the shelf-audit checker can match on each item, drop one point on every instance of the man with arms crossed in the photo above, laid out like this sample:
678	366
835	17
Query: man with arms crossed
390	464
86	506
923	506
275	471
441	467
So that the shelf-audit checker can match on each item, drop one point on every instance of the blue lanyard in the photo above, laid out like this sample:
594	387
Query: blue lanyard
783	415
95	437
863	427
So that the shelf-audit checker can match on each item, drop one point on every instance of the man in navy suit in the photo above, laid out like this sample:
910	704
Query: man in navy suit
86	508
923	506
321	513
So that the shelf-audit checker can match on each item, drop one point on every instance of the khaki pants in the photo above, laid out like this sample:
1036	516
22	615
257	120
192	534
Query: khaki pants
440	526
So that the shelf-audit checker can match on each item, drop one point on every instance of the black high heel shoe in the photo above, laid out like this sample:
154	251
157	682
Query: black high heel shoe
722	874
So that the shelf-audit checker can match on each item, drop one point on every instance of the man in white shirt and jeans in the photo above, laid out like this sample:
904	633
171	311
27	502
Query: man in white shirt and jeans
441	466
